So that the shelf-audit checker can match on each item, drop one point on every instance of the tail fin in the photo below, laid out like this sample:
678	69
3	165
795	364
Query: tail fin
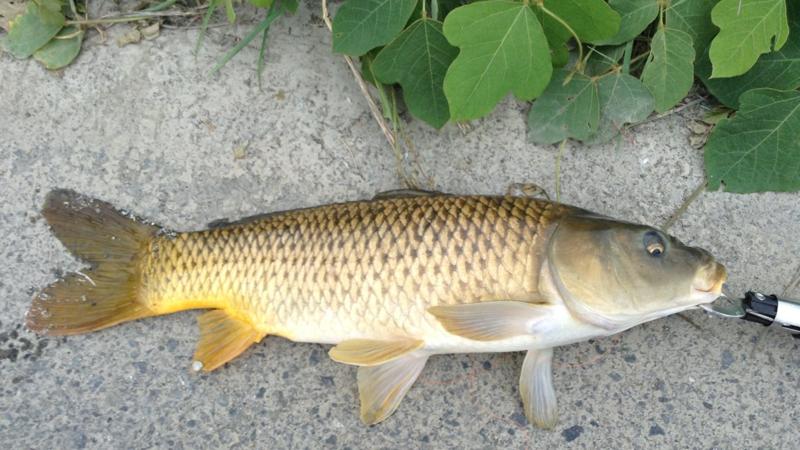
106	293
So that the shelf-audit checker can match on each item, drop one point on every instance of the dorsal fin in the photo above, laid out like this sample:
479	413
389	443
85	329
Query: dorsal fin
394	193
225	222
405	193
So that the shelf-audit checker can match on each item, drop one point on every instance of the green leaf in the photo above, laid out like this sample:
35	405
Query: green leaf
623	100
52	5
553	30
759	148
668	73
416	14
693	17
559	55
603	59
716	115
262	3
636	16
592	20
289	6
777	70
503	48
33	29
418	59
60	53
557	37
229	11
570	110
445	6
361	25
748	29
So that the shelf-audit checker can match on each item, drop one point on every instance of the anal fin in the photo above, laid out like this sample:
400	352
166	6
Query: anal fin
489	321
369	352
382	388
222	338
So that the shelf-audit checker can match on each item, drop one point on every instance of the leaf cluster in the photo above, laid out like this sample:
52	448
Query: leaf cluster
42	31
52	31
592	67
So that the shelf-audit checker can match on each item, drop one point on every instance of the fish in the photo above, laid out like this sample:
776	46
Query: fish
388	282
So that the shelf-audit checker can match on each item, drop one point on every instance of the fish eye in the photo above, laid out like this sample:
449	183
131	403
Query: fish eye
654	244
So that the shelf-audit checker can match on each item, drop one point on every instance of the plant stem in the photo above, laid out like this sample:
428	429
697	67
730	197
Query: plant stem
558	169
160	6
638	57
792	283
411	180
593	49
212	5
624	69
131	18
262	51
376	114
424	9
73	8
674	110
229	11
626	59
69	36
435	9
389	105
569	28
386	105
261	27
684	206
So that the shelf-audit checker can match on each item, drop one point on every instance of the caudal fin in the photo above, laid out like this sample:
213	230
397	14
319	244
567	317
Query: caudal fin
107	292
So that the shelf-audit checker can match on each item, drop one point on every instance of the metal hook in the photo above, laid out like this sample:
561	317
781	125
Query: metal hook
724	306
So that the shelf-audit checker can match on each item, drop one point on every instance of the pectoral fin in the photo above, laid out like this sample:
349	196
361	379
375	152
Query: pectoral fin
491	321
381	388
222	338
536	388
368	352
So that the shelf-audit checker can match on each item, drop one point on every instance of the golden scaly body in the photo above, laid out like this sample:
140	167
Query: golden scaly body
365	269
389	281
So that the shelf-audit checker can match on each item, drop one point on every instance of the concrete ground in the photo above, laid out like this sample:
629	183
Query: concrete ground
146	128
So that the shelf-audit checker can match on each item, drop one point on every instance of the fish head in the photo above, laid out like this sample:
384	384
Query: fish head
616	274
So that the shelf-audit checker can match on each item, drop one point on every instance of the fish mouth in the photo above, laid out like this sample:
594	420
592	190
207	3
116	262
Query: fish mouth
710	280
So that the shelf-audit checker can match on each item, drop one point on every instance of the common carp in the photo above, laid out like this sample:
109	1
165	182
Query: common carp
389	282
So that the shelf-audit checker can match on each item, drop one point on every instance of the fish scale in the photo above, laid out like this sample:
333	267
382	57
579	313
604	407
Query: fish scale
359	269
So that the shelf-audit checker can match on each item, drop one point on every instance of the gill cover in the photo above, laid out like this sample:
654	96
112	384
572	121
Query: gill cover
615	274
